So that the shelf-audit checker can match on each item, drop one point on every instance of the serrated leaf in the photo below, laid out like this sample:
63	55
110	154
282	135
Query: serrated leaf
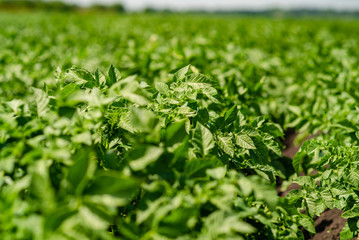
327	198
274	146
231	115
305	181
226	144
199	78
325	158
202	139
351	213
162	88
299	156
308	224
181	74
68	90
274	129
262	154
315	206
353	178
113	76
244	141
81	75
42	102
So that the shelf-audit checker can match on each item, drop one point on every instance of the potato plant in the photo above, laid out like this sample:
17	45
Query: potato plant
181	137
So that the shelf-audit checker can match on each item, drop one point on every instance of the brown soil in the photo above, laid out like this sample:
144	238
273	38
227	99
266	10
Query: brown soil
290	148
290	151
329	224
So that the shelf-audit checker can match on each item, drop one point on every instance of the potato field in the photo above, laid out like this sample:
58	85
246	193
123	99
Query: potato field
178	126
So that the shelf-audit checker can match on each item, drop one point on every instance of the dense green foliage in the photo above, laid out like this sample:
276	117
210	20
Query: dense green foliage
170	126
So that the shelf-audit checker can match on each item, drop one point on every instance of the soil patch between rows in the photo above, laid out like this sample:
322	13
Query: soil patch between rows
330	223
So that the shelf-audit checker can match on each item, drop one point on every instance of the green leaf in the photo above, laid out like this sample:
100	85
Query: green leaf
327	198
244	141
315	206
202	139
231	115
351	213
143	120
261	155
240	226
353	178
299	156
57	217
274	146
226	144
111	189
181	74
201	80
162	88
42	102
217	173
84	137
305	181
346	233
274	129
142	156
260	187
68	90
197	168
308	224
176	133
131	90
175	223
91	219
81	76
113	76
221	223
82	170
